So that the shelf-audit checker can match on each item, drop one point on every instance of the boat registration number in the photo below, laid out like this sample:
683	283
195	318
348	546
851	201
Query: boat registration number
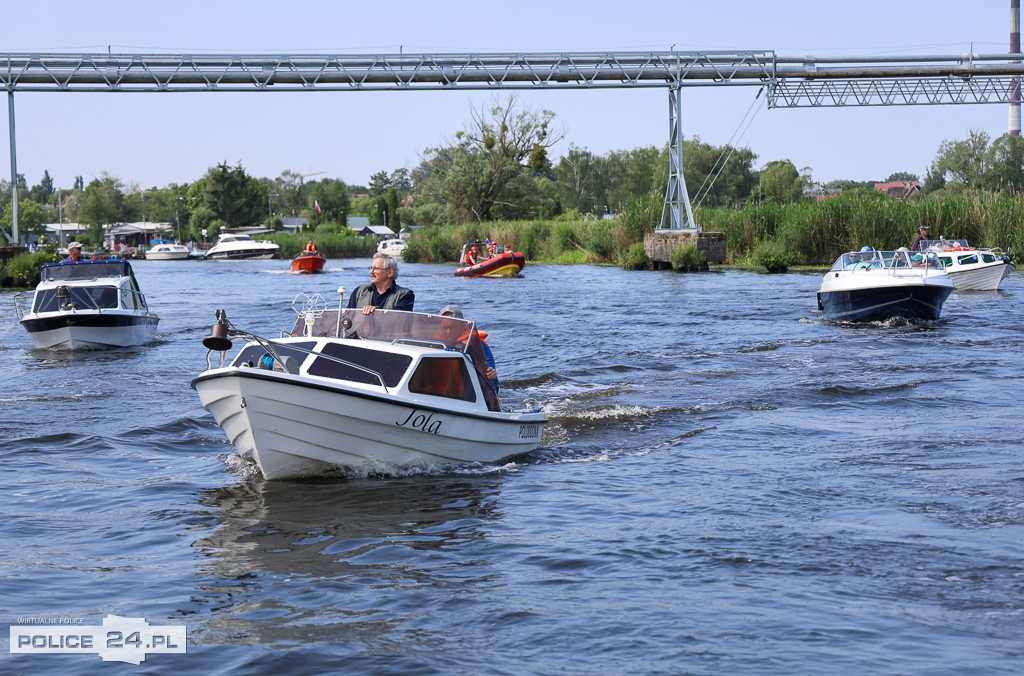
529	431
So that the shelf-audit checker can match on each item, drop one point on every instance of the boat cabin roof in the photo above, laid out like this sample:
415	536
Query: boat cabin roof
83	270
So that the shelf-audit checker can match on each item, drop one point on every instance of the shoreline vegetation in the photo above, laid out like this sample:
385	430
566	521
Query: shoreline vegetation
769	235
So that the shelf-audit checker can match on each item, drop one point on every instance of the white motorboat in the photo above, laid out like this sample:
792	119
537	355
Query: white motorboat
392	247
166	250
87	305
239	246
878	285
971	268
366	393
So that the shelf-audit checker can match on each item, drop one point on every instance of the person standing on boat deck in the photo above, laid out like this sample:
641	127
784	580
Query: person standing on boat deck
74	253
382	291
919	241
451	334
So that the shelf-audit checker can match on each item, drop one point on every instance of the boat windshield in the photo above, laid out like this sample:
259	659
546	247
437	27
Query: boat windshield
77	298
389	326
888	260
84	270
946	244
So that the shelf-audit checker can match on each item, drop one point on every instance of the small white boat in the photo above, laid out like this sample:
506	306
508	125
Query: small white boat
371	393
971	268
166	250
239	246
87	305
392	247
878	285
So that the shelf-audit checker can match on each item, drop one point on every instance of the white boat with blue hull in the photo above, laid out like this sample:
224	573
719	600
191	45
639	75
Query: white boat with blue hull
371	393
87	305
235	246
880	285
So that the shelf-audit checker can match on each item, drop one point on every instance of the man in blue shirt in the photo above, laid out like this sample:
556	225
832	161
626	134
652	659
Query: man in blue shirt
74	253
382	291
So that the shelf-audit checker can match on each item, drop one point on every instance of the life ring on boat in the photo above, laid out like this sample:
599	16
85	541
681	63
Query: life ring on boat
955	248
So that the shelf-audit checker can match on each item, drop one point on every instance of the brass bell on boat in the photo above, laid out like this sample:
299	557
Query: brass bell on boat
218	340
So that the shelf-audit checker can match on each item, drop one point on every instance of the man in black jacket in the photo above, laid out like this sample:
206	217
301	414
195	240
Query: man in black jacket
382	291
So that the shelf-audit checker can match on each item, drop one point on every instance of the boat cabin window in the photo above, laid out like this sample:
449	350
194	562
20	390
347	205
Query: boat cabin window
80	298
443	377
251	355
987	257
390	366
969	259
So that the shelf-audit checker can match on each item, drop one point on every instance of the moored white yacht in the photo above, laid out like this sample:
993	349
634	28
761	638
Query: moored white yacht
392	247
971	268
371	393
240	246
166	250
870	285
87	305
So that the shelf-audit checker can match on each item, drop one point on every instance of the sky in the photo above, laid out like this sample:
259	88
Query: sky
153	140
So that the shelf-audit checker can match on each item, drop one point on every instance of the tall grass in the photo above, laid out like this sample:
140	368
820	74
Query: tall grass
815	233
589	241
804	233
329	244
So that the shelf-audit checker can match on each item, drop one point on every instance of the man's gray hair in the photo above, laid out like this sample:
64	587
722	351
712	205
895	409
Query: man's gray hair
390	262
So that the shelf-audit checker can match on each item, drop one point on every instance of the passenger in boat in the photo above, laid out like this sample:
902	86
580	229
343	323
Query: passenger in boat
919	241
382	292
452	334
310	247
470	258
490	248
74	253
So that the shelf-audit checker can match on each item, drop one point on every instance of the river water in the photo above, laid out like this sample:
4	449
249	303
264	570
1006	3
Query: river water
727	484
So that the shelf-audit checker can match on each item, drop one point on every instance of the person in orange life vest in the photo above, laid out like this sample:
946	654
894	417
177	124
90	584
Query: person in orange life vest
453	333
311	248
490	247
470	258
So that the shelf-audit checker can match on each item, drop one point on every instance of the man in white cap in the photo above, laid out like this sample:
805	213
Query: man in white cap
74	253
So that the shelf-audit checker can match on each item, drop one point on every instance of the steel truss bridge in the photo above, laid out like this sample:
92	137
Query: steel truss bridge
789	82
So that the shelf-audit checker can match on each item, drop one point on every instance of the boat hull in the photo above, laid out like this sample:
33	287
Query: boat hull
507	264
307	264
90	330
879	303
983	277
294	429
167	255
241	255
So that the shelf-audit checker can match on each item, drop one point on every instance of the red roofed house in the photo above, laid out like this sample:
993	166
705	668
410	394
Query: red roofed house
900	190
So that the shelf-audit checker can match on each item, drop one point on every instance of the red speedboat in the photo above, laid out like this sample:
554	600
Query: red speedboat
503	263
307	263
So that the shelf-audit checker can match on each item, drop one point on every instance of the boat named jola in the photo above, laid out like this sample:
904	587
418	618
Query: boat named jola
372	393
